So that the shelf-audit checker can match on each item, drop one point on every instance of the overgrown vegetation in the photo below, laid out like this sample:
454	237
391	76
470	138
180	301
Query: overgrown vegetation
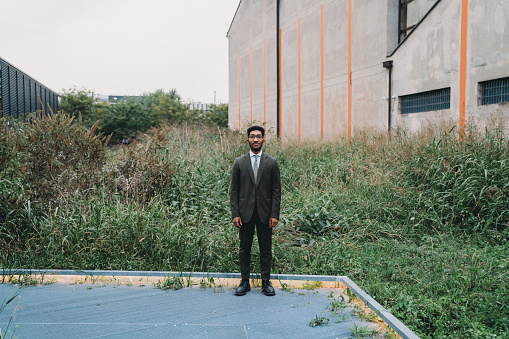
420	222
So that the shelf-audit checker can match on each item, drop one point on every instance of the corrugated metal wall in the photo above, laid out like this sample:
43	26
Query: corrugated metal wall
20	94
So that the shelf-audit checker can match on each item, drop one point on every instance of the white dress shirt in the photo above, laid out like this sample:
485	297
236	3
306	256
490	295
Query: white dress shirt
252	156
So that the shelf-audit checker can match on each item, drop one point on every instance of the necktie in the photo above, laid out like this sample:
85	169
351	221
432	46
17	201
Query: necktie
255	167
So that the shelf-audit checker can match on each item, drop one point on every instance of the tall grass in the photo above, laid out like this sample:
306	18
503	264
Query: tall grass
420	222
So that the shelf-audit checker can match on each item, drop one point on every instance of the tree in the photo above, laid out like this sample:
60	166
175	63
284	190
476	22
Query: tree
168	106
77	102
217	114
124	119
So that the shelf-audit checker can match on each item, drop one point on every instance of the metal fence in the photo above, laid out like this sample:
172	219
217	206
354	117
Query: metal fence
20	94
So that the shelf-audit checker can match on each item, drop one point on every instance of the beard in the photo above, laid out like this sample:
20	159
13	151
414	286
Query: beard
255	148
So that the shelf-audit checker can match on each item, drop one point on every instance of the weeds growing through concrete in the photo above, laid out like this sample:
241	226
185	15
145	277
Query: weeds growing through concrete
23	279
170	283
313	285
319	321
285	287
362	332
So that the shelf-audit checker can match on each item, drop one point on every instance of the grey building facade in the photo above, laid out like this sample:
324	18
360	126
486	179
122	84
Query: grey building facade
321	69
20	94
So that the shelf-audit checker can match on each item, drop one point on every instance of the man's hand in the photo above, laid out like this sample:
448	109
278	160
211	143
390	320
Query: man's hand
237	222
273	222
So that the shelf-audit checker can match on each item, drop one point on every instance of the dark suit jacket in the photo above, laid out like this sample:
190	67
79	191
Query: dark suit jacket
244	192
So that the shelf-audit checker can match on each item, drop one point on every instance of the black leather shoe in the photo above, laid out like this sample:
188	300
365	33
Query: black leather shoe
267	288
243	288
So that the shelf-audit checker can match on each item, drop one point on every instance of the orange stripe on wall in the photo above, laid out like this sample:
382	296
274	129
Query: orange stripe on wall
239	92
463	65
349	70
280	88
298	35
251	78
264	89
321	70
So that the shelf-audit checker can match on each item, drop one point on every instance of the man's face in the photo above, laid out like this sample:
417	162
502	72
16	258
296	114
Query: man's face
255	140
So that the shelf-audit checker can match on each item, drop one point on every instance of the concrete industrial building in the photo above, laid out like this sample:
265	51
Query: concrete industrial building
20	94
319	69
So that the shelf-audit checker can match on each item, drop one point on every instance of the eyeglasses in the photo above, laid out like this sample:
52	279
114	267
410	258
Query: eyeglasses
255	136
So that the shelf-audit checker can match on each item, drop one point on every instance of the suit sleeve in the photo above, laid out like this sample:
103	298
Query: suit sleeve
234	190
276	191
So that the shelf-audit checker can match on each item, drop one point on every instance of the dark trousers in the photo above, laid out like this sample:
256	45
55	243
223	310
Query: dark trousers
264	233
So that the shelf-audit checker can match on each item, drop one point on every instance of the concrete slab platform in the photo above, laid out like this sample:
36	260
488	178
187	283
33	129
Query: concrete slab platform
120	311
218	283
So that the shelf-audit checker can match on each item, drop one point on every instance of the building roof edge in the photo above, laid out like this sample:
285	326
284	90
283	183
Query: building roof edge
31	77
413	29
233	19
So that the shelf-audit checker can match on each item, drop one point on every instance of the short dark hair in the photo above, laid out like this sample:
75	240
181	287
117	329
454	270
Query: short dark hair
256	128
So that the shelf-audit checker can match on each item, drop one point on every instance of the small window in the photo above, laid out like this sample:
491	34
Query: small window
494	91
426	101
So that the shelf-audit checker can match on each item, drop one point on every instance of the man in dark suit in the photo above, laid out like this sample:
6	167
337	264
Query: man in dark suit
255	197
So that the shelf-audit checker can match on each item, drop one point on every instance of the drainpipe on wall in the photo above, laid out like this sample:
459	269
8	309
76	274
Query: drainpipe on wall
278	71
388	65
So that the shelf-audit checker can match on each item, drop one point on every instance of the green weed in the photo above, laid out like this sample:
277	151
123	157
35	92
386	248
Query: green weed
170	283
210	283
319	321
311	286
362	332
287	288
360	312
26	279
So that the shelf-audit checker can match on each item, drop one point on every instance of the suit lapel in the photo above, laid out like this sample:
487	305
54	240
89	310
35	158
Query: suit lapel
247	163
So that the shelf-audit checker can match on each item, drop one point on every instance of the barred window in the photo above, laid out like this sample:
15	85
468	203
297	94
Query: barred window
494	91
426	101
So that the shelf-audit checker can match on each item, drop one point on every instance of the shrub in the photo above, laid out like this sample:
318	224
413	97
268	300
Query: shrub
13	196
141	170
6	150
60	159
76	102
124	119
216	115
168	106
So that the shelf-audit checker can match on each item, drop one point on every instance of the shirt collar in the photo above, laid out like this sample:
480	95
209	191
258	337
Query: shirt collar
251	154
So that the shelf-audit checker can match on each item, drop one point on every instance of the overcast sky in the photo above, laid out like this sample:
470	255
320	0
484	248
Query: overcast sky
122	47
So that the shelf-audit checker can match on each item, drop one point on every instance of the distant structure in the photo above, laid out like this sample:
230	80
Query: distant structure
116	98
101	97
319	69
20	94
199	106
112	99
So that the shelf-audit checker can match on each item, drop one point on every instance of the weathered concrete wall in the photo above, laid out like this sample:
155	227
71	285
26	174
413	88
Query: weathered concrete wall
487	58
427	59
368	52
252	65
301	52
